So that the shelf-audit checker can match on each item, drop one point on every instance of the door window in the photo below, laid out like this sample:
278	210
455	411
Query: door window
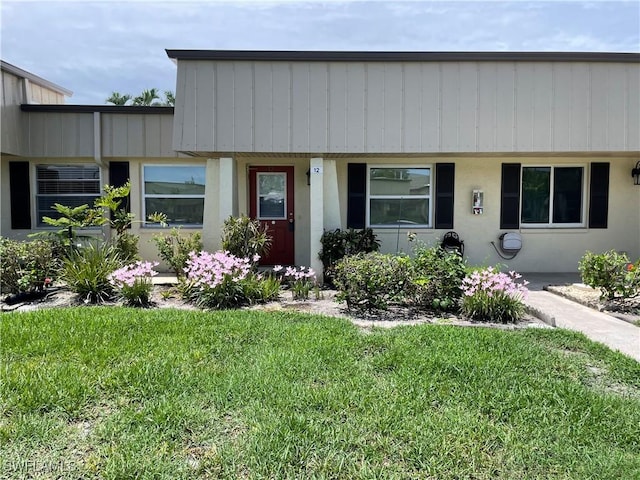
272	189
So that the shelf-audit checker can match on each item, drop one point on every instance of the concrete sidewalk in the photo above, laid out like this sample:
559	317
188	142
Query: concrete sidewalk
562	313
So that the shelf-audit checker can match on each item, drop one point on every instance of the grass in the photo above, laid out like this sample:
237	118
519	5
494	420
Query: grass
114	393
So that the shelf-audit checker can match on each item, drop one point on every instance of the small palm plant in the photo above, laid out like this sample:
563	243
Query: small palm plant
86	271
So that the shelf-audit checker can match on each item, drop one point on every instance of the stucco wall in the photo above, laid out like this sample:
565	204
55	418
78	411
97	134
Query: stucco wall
543	249
547	249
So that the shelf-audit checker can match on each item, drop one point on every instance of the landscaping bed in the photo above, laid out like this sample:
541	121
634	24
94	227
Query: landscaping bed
167	296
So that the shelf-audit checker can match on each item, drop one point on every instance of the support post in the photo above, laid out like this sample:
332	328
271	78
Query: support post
316	207
210	222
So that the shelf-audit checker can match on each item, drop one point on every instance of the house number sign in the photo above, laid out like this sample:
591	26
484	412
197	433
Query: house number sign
316	170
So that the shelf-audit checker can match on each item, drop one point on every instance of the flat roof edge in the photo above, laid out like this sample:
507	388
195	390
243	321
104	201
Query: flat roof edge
352	56
160	110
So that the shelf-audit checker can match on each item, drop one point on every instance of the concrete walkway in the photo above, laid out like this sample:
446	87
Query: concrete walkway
562	313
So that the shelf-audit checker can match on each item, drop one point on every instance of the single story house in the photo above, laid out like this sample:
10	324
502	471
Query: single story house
539	144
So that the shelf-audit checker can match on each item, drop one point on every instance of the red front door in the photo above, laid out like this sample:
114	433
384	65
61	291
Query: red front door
271	202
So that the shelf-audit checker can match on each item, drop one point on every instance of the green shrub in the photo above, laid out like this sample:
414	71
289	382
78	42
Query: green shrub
174	248
370	281
437	278
86	271
245	238
27	267
127	246
261	288
336	244
493	296
612	273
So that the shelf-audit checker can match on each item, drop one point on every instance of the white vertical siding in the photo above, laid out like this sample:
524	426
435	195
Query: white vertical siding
338	94
487	118
223	115
263	105
398	107
57	134
67	135
318	107
374	108
299	106
244	98
561	112
580	120
281	108
355	118
632	112
430	108
468	108
203	95
11	137
136	135
393	101
412	108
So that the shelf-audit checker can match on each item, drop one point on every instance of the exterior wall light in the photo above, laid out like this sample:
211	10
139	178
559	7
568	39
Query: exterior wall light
635	173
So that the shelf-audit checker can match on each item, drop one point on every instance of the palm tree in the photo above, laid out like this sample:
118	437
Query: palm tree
147	97
169	98
118	99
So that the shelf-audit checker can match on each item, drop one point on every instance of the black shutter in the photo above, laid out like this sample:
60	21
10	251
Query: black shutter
20	195
510	196
118	173
118	176
445	183
599	195
356	194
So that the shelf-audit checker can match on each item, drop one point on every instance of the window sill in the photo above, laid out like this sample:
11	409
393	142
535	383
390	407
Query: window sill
401	227
543	230
170	226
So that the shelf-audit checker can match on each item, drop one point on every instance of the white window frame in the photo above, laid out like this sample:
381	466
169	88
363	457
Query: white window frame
37	219
428	197
551	224
145	196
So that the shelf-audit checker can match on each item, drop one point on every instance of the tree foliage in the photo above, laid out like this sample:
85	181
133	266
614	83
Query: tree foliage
148	97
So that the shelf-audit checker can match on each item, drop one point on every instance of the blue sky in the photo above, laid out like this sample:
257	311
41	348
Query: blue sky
96	47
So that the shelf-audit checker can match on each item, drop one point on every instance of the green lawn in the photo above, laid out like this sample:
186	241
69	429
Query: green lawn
114	393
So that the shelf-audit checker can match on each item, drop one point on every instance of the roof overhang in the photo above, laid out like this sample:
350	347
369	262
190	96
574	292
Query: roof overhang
158	110
351	56
34	78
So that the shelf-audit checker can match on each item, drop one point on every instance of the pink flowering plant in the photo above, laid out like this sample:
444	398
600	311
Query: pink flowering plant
222	280
133	282
490	295
301	281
